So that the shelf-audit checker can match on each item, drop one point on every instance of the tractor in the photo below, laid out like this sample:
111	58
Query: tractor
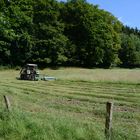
29	72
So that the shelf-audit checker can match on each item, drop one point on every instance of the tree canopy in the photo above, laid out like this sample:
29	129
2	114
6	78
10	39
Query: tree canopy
73	33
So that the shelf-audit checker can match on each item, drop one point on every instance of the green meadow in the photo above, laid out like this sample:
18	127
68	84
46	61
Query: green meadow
73	107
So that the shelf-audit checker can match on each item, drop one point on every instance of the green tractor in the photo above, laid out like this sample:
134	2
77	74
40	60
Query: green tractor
29	72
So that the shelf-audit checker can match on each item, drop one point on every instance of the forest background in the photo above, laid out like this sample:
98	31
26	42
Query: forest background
72	33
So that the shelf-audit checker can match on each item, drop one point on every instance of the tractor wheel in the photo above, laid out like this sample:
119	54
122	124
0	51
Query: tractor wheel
22	77
33	77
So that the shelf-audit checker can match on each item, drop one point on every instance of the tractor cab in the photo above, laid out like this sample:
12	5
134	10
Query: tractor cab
29	72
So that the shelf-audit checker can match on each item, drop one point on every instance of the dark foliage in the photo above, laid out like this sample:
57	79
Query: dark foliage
72	33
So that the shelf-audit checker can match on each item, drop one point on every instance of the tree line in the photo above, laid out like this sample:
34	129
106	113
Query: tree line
72	33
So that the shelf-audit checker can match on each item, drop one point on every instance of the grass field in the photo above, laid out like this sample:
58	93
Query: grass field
71	108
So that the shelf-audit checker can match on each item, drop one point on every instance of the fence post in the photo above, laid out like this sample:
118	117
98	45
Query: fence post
108	124
7	103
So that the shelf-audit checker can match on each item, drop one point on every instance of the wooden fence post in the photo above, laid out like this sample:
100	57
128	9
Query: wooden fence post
7	103
108	124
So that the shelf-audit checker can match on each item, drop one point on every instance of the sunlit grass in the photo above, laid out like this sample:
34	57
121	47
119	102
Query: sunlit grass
112	75
73	106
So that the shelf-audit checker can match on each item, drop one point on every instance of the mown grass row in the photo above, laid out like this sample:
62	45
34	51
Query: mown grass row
128	94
